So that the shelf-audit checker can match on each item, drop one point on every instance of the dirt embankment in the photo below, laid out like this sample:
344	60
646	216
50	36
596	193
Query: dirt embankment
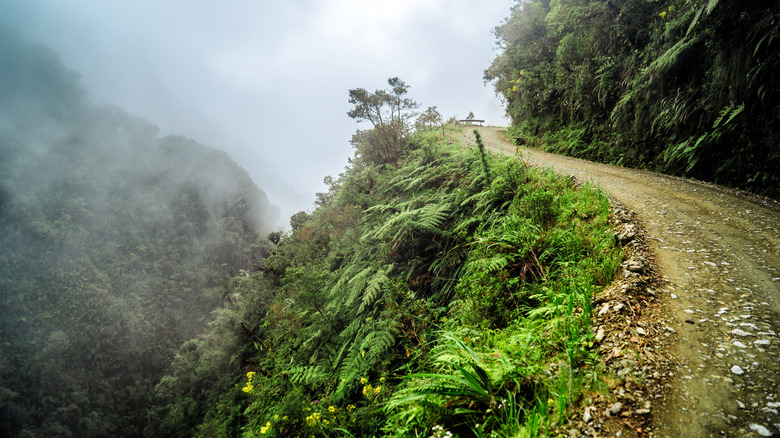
692	332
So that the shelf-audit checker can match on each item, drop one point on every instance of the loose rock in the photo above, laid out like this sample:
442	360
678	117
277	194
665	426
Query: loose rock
761	430
740	332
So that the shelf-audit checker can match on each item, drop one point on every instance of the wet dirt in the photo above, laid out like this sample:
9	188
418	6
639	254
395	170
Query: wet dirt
706	356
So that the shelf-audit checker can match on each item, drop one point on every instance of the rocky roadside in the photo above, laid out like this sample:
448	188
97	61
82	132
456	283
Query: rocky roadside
630	342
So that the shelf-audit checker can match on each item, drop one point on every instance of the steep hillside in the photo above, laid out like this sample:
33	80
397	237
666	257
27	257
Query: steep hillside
115	247
433	287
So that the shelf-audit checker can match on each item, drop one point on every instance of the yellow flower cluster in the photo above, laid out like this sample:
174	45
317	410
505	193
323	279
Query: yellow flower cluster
249	387
350	407
265	428
313	419
370	392
514	88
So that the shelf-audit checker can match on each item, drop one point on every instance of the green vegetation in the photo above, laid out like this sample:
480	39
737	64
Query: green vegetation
115	247
687	87
419	298
435	289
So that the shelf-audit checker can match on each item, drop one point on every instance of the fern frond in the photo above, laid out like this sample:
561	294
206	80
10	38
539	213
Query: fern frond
373	289
489	265
307	375
356	285
378	342
351	330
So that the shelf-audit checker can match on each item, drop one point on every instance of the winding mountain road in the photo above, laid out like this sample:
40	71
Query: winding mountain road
718	252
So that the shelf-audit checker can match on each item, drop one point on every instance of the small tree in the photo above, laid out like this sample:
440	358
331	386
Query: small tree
430	118
388	111
298	220
382	106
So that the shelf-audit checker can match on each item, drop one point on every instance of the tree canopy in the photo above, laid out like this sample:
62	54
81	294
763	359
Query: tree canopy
688	87
389	112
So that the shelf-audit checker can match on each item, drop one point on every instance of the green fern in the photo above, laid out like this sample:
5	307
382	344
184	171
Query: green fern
307	375
357	284
377	342
372	291
491	264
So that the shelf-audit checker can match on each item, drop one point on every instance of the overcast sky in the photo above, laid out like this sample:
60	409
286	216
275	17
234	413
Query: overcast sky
267	81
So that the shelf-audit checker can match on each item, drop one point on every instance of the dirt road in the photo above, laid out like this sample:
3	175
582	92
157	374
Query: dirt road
719	255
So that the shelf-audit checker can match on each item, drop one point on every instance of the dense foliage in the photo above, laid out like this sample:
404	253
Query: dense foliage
439	291
688	87
115	247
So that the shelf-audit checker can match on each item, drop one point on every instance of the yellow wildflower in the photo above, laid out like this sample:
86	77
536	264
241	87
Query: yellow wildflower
312	419
382	380
377	390
363	381
350	407
249	387
663	14
332	409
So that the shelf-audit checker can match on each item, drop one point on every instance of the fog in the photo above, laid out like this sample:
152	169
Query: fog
115	247
268	81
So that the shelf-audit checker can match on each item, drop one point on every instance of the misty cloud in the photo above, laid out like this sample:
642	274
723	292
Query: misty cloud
268	81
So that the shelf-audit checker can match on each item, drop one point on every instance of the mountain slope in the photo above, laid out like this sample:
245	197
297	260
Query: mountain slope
115	246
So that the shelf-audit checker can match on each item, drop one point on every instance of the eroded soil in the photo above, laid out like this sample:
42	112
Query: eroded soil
691	334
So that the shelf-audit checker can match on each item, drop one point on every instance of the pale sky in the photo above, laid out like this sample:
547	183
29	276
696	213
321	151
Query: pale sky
267	81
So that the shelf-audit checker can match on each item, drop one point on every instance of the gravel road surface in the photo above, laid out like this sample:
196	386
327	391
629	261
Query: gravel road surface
718	254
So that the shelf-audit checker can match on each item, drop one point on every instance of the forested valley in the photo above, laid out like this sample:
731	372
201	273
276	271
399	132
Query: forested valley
115	247
684	87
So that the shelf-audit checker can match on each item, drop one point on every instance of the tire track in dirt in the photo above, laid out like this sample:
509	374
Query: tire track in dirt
718	252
